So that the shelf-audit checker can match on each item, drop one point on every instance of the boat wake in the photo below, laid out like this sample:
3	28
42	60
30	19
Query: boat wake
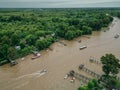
23	80
36	74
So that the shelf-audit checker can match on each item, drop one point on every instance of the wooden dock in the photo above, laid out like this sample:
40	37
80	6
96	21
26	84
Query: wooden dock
80	77
92	73
93	60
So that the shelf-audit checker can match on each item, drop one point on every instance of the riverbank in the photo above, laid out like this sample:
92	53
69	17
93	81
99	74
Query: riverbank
25	31
60	61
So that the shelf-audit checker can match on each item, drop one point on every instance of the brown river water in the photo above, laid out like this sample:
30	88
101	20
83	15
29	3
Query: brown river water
25	75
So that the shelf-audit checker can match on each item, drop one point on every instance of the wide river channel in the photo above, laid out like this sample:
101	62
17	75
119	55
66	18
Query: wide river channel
60	60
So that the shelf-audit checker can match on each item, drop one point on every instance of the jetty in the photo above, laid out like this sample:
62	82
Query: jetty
92	73
80	77
93	60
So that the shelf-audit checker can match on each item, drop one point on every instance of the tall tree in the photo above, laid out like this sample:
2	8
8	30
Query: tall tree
111	65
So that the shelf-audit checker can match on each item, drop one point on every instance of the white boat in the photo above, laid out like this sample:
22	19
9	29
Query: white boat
83	47
66	76
36	56
43	71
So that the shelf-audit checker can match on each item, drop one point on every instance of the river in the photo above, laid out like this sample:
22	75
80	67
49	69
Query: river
59	61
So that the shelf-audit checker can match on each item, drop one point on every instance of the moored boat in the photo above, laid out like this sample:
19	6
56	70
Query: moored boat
83	47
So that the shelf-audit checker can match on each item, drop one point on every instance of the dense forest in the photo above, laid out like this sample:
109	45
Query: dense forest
24	30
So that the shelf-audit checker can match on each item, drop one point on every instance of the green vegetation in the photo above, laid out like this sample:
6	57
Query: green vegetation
111	67
108	80
92	85
23	30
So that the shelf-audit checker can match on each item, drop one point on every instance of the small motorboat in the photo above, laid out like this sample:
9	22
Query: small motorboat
12	62
43	71
81	66
83	47
72	80
36	56
66	76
